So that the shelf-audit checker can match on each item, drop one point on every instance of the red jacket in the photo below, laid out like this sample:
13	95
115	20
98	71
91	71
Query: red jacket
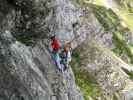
55	45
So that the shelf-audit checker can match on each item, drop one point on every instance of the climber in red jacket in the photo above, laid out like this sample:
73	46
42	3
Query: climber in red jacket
55	44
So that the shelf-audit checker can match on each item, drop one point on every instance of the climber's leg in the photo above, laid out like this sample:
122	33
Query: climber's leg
58	64
65	66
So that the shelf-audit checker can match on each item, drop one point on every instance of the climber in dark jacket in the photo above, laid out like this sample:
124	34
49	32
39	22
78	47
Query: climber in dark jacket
66	55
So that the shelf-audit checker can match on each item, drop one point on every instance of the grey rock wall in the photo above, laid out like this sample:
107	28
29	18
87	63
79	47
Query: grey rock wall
28	73
106	67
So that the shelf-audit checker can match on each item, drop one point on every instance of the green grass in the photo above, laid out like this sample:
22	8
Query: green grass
122	47
122	10
110	22
130	75
108	19
26	40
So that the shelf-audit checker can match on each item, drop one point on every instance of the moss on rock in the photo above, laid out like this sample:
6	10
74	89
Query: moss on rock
85	80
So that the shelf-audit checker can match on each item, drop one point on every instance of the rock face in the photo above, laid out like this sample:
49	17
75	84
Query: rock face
28	73
26	70
106	67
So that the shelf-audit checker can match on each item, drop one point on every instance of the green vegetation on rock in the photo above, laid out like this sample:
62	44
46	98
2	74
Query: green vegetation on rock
122	47
26	40
128	4
111	23
106	17
85	81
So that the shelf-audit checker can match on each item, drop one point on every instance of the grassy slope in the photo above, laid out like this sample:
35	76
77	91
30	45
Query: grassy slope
121	11
110	21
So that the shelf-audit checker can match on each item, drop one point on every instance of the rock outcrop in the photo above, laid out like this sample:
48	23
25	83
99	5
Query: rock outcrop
106	67
26	70
28	74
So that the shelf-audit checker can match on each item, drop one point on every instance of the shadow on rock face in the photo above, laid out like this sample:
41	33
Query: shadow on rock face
25	19
4	9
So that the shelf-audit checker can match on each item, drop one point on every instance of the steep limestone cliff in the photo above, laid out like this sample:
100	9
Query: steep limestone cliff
28	73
